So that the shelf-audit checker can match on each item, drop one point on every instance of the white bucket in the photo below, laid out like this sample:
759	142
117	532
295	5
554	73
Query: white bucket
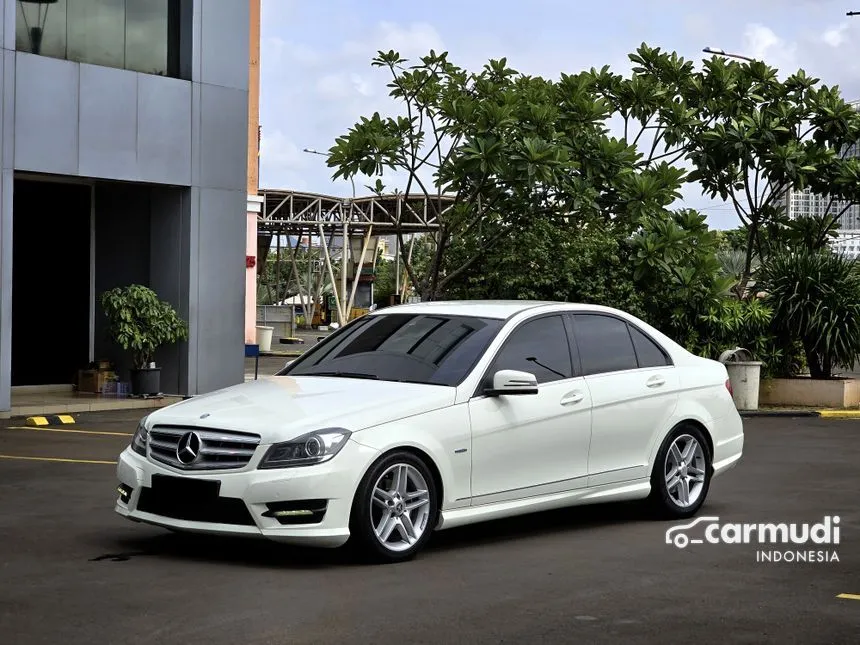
744	376
264	338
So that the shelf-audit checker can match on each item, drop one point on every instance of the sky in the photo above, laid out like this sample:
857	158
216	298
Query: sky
317	80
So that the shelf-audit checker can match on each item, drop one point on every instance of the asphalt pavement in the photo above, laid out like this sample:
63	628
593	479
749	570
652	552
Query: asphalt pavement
74	572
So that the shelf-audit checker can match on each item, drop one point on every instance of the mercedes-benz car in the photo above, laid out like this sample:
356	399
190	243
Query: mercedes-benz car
422	417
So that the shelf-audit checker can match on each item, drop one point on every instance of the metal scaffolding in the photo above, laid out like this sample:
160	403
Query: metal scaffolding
357	223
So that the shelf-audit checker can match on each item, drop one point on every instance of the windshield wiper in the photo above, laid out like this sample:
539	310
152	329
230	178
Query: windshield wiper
372	377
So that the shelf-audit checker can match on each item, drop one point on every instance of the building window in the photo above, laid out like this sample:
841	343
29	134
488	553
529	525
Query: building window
137	35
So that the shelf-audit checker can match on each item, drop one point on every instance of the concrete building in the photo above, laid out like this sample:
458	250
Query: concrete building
124	129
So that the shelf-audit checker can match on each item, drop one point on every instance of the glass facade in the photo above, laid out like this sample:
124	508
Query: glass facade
138	35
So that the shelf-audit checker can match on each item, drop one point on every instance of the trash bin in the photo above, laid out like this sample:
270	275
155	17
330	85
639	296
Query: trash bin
744	376
264	338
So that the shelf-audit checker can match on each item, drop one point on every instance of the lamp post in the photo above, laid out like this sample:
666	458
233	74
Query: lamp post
35	13
721	52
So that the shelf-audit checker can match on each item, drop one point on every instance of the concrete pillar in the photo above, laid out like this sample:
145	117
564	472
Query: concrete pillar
255	205
254	201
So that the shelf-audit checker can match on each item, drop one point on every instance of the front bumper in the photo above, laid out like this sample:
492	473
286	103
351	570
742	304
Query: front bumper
249	498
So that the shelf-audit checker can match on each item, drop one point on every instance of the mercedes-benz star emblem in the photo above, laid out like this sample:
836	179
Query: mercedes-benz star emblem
188	448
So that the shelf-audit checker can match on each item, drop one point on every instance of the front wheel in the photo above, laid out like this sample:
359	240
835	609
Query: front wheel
395	508
682	472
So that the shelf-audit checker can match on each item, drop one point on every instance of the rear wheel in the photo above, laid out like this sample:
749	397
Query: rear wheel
395	508
681	477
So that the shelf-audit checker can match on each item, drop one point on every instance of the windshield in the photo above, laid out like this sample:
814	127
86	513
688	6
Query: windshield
435	349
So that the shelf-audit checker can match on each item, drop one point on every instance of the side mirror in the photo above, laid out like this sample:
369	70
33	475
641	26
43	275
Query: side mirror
507	382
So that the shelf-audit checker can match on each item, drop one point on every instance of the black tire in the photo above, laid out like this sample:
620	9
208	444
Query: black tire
363	537
660	500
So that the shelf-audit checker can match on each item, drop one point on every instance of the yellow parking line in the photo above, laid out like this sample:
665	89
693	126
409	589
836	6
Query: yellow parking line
849	596
94	432
60	460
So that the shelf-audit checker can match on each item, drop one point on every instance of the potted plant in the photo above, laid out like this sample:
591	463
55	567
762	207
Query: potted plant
141	323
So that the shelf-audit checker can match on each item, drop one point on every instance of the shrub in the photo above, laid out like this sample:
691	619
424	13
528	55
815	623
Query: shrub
815	298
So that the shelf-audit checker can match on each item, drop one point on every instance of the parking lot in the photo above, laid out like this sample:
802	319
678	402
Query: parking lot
74	572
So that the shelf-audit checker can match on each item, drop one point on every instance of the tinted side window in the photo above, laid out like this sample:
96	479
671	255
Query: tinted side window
604	344
538	346
647	351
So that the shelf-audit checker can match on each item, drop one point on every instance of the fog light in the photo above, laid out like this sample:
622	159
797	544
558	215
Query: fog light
306	511
291	513
124	493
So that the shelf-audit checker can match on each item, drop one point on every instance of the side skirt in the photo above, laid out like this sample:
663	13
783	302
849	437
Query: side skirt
626	491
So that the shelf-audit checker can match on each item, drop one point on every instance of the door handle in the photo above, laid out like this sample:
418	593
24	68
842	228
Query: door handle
655	381
572	398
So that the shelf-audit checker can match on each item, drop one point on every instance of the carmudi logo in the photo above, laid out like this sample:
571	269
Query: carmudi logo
823	536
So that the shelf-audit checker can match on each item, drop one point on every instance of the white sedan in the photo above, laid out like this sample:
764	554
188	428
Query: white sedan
428	416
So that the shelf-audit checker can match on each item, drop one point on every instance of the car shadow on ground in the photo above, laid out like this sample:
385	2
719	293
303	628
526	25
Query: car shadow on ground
252	552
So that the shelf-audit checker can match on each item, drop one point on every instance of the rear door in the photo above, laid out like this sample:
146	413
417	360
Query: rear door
634	391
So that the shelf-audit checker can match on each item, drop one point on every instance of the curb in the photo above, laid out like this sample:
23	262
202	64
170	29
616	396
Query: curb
50	419
281	354
839	414
823	414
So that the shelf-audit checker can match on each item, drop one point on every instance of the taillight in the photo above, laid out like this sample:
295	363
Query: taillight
729	387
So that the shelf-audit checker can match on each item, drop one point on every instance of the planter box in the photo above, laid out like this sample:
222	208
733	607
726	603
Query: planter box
804	391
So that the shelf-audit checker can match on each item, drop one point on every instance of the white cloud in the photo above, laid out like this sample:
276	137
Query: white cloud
762	43
836	35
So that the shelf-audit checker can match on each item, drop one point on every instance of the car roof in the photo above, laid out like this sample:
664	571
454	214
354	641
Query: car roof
499	309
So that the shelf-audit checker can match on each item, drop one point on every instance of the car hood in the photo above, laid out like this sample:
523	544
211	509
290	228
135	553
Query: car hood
280	408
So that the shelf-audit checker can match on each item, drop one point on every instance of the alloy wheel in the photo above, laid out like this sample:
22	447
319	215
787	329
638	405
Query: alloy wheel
400	507
685	470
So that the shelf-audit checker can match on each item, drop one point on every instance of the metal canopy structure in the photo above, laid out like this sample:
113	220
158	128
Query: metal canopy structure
333	219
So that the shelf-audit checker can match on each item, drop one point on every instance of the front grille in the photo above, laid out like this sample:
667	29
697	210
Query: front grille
217	450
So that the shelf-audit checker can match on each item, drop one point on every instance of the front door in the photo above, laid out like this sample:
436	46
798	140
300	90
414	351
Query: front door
532	444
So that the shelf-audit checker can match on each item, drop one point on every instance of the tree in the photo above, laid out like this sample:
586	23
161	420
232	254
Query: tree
749	136
506	149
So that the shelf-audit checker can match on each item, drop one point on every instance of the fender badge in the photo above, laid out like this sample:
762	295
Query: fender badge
203	416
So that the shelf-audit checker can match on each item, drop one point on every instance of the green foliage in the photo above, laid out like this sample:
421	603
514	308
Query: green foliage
508	149
675	265
749	136
138	321
549	261
384	284
733	323
815	296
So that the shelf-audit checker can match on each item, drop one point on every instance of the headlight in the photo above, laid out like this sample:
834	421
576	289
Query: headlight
138	441
307	450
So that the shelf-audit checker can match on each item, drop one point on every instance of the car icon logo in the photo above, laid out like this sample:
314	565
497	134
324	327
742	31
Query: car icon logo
677	535
188	448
